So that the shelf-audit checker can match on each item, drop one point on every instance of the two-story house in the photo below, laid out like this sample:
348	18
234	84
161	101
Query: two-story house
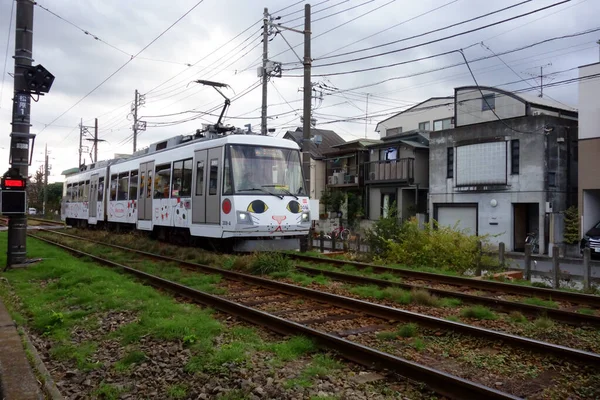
317	161
509	163
398	168
589	146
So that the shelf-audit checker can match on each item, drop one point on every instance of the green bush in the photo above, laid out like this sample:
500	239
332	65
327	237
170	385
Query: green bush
267	263
571	235
434	246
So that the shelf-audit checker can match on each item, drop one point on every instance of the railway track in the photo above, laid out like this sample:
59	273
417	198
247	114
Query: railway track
250	293
429	278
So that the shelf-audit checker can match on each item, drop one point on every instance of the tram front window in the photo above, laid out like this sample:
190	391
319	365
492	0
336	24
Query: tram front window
270	169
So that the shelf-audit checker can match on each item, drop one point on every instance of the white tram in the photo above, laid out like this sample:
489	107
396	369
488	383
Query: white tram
243	188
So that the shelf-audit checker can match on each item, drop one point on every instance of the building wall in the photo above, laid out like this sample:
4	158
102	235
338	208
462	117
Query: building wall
469	107
432	110
422	168
542	153
589	147
317	178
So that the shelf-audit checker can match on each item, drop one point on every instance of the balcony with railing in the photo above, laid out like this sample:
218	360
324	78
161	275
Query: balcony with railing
384	171
348	176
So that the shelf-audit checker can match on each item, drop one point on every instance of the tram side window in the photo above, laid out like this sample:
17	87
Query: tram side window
113	187
227	186
133	185
213	179
142	184
149	185
182	178
74	192
162	181
199	178
86	191
100	189
69	193
123	187
80	191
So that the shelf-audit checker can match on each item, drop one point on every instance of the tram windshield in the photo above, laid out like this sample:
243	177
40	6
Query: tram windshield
273	170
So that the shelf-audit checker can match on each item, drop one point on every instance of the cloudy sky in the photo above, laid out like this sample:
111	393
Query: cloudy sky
221	41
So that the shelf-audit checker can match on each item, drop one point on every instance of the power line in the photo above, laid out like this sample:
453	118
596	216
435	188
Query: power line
435	40
426	33
123	66
12	9
391	27
451	52
312	13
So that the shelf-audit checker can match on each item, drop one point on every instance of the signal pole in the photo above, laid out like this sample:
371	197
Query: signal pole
45	180
307	99
265	76
95	140
80	141
20	135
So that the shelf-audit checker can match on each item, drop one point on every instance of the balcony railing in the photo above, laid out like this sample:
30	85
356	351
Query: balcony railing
391	170
346	176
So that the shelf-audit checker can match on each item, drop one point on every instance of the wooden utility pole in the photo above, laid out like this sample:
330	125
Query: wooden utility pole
307	100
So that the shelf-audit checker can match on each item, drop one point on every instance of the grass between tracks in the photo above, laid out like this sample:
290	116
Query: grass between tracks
62	296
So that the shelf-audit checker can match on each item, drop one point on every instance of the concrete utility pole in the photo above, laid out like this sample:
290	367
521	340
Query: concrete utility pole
135	112
20	135
95	142
265	75
366	115
80	141
307	99
45	180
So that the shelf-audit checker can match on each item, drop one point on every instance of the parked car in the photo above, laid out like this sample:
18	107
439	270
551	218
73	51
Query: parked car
31	211
591	239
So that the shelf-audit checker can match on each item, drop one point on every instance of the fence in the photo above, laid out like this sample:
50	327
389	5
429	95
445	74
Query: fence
355	244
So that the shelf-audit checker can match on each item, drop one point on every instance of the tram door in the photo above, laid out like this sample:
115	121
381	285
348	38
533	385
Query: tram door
199	189
145	191
93	196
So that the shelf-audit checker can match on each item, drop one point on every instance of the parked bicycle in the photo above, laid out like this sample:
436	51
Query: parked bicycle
532	239
341	233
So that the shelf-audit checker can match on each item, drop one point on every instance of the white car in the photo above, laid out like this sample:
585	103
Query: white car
31	211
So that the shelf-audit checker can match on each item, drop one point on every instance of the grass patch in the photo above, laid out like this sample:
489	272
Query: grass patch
450	302
79	354
543	323
211	359
177	392
424	298
387	335
453	318
265	263
586	311
134	357
407	330
321	366
108	392
418	344
398	295
478	312
371	291
516	316
536	301
293	348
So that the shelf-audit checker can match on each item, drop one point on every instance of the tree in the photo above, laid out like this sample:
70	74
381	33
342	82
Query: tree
35	190
55	191
571	234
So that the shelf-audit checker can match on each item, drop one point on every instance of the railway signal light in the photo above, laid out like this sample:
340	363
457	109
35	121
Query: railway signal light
38	79
10	183
13	195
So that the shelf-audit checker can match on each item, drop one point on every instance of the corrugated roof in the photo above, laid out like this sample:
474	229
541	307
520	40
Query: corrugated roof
542	101
330	139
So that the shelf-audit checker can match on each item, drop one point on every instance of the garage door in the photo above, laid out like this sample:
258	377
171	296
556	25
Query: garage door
465	218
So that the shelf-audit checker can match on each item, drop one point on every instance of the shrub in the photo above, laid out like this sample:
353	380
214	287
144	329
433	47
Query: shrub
267	263
478	312
434	246
407	330
424	298
571	234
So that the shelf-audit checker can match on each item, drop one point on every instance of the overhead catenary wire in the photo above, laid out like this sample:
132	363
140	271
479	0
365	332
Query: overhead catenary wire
325	56
124	65
12	10
436	40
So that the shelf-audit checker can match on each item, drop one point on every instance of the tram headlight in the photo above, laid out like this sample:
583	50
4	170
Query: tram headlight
305	217
244	218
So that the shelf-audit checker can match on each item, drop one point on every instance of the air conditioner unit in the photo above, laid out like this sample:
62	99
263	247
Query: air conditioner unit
372	176
330	180
538	113
339	177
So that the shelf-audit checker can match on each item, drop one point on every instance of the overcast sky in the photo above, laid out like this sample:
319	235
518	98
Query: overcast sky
203	39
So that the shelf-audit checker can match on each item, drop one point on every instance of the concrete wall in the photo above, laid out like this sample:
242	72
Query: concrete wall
469	107
431	110
317	178
541	152
589	105
422	168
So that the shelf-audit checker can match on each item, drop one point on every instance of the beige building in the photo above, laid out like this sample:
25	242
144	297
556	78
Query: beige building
589	146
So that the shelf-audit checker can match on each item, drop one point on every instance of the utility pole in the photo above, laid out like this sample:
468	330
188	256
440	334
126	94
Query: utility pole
95	142
20	135
542	81
265	75
45	180
80	141
135	114
307	99
366	115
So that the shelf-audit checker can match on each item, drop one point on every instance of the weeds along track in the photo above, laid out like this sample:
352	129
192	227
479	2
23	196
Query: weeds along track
369	333
459	284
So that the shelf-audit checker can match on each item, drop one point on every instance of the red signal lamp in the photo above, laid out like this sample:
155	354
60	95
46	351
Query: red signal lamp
13	183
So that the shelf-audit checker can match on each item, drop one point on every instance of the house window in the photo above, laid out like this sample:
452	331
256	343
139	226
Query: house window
442	124
488	102
552	179
514	157
393	131
424	126
450	163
